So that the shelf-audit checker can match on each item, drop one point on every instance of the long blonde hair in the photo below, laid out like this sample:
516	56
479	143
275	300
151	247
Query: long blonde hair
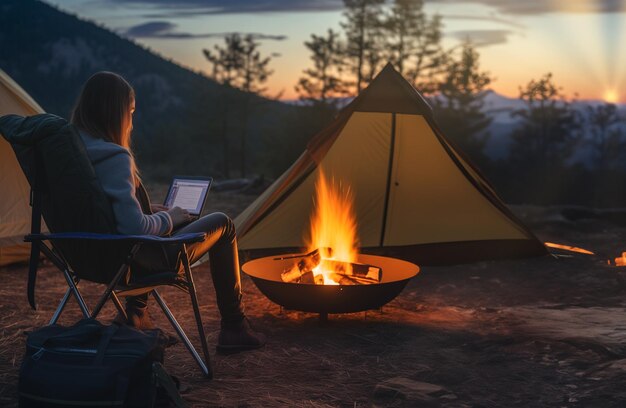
103	111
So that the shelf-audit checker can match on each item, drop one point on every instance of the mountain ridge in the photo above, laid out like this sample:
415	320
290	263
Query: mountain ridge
55	52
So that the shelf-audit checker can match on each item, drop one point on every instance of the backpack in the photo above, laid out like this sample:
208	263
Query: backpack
90	364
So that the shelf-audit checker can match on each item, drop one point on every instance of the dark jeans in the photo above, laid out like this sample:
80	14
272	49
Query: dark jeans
221	244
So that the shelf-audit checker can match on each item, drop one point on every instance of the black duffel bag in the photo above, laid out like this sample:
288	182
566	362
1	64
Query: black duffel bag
90	364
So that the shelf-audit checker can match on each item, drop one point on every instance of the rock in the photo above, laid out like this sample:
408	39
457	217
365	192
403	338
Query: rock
608	370
410	390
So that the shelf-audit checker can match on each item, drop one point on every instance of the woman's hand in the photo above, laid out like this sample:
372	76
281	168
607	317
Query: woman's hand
179	216
155	208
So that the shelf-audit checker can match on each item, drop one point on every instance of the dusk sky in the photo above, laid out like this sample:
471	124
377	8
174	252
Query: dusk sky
581	42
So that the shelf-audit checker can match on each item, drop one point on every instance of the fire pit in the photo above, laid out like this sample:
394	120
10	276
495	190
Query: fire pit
331	276
266	274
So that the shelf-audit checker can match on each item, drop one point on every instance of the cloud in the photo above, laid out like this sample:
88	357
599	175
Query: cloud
165	29
180	8
489	18
483	38
534	7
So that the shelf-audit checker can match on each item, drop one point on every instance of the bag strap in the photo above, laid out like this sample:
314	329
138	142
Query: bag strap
107	335
83	331
35	228
164	380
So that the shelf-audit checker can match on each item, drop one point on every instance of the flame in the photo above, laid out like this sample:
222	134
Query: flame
620	261
568	248
333	225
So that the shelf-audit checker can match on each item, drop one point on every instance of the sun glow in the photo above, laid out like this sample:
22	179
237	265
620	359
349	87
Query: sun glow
611	96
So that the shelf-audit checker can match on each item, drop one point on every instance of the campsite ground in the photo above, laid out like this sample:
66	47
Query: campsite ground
537	332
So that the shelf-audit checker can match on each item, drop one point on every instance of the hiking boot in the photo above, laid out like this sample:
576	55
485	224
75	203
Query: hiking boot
239	337
138	317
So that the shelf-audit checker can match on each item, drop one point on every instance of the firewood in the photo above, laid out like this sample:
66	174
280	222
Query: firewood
308	278
364	271
292	274
326	251
342	279
362	280
307	263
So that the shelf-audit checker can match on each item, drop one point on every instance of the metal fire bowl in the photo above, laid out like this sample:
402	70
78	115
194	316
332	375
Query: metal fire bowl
265	272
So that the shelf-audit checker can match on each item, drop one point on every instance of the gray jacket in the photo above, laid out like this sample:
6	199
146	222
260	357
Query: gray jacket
112	164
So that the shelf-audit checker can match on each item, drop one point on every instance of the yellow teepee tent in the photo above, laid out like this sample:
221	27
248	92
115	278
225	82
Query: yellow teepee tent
14	207
417	197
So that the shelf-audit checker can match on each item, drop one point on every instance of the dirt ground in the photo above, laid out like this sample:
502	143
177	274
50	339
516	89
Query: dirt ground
543	332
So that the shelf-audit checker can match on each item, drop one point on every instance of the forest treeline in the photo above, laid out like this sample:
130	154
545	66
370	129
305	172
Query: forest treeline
543	164
228	125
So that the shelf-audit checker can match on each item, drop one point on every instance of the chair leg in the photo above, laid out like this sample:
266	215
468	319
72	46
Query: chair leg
118	276
118	305
194	301
205	365
74	288
59	310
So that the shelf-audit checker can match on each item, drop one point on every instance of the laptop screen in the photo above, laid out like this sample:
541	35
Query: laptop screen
188	193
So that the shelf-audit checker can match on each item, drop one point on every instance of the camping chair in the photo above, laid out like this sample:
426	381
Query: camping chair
82	242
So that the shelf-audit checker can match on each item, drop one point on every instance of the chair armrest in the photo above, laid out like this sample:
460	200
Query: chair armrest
178	239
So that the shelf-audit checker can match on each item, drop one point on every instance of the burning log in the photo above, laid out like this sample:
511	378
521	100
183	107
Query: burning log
364	272
306	264
343	279
343	273
310	279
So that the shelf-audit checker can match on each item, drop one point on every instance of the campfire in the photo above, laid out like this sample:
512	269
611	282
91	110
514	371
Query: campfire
330	275
332	242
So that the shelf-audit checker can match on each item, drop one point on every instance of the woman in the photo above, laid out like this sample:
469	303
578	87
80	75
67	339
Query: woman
104	116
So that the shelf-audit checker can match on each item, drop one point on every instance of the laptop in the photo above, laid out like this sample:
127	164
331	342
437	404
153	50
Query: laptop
189	193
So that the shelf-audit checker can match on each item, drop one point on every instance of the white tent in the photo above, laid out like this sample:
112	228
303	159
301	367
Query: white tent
14	207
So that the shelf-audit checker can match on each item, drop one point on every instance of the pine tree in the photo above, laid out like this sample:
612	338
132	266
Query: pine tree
413	41
549	128
323	82
607	141
225	61
362	28
459	103
252	74
239	64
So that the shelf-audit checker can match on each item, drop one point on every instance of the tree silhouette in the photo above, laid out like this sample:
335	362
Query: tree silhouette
362	27
458	106
549	128
323	82
253	73
414	43
239	64
225	62
607	136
